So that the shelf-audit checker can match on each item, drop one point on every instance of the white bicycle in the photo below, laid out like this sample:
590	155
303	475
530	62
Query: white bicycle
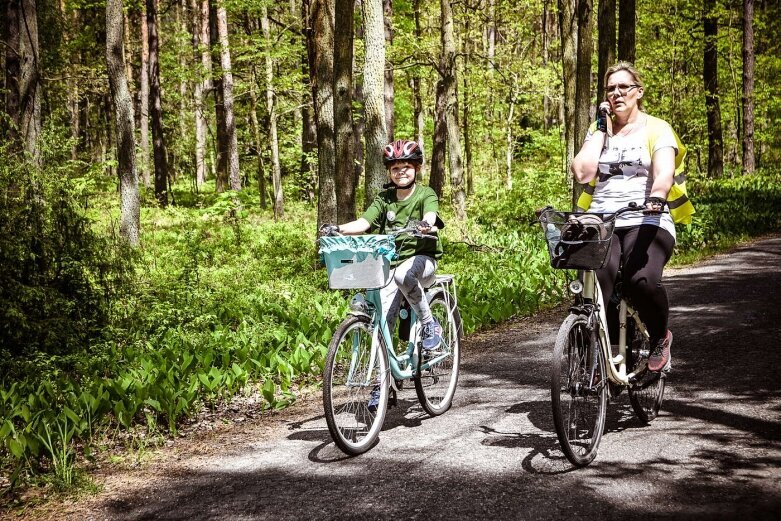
585	370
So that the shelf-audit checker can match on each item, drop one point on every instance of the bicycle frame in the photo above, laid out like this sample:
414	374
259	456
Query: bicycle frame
616	365
404	365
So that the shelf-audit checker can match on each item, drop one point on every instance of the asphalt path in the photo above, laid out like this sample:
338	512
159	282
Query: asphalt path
713	453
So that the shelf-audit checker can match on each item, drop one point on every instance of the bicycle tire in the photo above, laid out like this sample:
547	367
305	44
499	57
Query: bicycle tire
647	392
579	403
348	383
436	385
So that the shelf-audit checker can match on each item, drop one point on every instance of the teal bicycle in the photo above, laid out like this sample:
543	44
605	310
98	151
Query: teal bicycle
362	357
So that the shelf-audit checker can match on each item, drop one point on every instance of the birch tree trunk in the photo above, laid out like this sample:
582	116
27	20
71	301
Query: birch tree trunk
156	109
227	98
130	212
143	120
343	111
271	107
199	90
373	92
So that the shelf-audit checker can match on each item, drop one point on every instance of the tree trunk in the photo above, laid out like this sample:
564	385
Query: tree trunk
156	108
606	41
234	177
390	118
583	69
23	92
143	102
626	30
359	128
437	177
373	91
711	78
343	111
322	82
181	23
271	107
308	124
450	81
256	135
129	222
748	86
199	92
583	80
510	142
417	100
470	187
221	142
569	33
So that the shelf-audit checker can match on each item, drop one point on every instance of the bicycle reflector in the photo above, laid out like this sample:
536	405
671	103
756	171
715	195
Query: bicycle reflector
576	286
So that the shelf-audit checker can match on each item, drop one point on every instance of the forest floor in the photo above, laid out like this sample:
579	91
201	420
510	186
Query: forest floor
713	453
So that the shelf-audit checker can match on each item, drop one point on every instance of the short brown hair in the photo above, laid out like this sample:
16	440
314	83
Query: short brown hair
630	68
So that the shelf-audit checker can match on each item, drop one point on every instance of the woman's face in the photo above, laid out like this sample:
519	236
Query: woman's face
402	174
622	92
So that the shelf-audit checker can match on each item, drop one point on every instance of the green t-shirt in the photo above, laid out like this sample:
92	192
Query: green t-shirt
387	214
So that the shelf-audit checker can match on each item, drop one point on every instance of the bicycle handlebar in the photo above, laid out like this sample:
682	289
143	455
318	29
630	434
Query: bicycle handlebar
632	207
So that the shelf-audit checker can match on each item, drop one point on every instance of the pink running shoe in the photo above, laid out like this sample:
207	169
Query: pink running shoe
660	354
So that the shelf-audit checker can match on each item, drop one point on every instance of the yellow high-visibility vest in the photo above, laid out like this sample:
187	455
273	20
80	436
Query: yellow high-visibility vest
681	208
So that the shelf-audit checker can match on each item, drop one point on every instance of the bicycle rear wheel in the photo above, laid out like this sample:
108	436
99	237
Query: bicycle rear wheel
578	391
353	371
647	391
436	383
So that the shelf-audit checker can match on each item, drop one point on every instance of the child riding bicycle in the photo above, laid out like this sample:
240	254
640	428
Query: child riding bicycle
404	202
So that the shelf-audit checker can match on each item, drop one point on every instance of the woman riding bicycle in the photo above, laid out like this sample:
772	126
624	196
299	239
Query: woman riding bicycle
403	202
630	156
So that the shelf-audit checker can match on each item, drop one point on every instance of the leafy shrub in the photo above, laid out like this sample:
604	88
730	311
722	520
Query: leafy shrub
58	277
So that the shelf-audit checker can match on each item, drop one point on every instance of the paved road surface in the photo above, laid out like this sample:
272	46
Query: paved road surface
714	452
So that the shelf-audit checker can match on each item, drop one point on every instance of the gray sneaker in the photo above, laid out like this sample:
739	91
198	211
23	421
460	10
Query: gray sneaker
431	335
374	399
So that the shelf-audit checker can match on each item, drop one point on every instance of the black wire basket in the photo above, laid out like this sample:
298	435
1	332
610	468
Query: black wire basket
578	241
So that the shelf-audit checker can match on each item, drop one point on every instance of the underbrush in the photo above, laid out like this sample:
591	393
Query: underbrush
223	301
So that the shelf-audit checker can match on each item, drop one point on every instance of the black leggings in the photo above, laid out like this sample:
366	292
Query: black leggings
644	250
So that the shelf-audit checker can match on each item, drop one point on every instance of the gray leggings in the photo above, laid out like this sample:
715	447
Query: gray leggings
411	276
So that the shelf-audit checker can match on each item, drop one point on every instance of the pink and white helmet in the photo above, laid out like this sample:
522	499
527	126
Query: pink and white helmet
402	150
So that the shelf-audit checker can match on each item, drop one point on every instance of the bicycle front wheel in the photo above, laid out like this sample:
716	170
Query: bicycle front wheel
578	391
436	383
355	386
647	391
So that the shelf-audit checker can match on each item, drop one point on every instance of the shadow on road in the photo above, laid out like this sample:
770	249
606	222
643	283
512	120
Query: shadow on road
714	453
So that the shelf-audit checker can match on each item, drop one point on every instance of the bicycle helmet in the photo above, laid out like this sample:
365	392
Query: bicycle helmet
402	150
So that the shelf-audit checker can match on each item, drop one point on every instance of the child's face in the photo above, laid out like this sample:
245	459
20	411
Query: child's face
402	173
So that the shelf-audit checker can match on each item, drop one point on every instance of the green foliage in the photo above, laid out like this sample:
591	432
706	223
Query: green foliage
58	277
730	209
